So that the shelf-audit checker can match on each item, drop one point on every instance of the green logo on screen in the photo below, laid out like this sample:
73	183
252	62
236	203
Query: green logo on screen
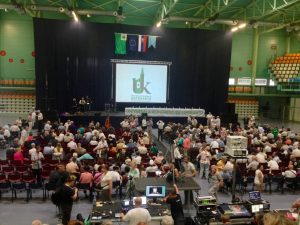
139	86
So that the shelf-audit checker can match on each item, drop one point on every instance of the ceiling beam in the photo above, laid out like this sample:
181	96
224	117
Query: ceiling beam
165	9
213	10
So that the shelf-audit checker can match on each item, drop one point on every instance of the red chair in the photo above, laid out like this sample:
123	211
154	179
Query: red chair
17	184
32	185
4	185
16	163
45	175
21	169
8	170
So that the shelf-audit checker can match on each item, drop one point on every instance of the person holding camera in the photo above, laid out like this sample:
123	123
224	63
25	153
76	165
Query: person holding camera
68	194
215	182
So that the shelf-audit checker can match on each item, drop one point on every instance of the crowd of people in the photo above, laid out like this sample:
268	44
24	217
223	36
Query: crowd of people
104	157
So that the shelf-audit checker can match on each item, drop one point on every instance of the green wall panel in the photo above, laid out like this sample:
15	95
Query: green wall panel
241	53
16	39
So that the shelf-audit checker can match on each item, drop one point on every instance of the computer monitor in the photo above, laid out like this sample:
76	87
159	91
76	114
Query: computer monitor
254	196
155	191
257	208
144	200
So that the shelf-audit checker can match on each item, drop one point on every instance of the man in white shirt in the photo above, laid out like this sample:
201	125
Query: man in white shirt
136	215
101	147
72	145
47	126
137	158
152	168
296	152
272	164
160	125
115	176
32	150
142	150
261	157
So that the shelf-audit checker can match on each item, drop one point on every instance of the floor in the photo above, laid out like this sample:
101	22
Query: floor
20	212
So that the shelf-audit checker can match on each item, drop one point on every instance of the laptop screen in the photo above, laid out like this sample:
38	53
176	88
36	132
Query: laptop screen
254	195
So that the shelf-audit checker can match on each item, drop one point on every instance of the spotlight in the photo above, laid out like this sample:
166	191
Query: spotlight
61	9
5	10
242	25
74	16
158	24
234	29
186	22
88	15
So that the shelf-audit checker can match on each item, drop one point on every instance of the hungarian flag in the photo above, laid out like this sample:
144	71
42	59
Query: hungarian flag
142	43
120	43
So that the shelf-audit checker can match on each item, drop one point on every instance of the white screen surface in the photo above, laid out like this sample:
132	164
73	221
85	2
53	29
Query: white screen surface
141	83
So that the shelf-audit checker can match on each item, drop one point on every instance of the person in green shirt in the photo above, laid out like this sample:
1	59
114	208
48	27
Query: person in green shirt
154	149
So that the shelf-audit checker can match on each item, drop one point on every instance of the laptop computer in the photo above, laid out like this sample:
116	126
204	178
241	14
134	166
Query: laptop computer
255	196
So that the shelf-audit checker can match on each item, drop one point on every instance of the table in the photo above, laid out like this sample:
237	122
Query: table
104	211
184	183
165	112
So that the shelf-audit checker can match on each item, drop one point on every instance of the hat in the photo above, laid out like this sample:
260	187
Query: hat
151	162
127	161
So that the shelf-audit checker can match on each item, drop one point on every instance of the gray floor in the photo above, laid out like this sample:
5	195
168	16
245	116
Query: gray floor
21	213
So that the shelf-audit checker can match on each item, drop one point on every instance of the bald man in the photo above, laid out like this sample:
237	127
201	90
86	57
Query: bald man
138	214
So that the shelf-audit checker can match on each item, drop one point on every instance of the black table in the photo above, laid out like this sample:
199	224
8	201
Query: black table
183	184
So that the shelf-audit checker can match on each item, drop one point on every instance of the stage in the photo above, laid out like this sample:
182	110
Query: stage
116	118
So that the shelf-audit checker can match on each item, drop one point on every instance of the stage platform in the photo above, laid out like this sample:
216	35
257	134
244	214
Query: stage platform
116	118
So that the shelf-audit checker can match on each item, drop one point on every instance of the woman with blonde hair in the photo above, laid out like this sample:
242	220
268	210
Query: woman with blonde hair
277	219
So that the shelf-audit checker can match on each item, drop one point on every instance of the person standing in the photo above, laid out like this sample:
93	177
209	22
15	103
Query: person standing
36	158
68	194
136	215
204	159
106	183
175	202
160	125
215	182
259	178
188	171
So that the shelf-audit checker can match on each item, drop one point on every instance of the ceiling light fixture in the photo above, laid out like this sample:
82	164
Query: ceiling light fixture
234	29
243	25
158	24
74	16
88	15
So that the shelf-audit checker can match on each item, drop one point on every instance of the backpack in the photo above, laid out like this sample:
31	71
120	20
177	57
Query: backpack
56	197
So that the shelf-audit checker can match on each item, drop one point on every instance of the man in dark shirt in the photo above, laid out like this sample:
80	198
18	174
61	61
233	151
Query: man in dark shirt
175	202
58	177
68	194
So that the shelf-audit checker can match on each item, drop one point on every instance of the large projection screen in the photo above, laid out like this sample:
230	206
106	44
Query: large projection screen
141	83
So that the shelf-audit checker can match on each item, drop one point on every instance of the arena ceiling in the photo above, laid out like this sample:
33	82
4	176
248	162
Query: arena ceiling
210	14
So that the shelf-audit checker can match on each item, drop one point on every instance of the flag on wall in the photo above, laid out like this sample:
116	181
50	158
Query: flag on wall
152	41
120	43
142	43
132	42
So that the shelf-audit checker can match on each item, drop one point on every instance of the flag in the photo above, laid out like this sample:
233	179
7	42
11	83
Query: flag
132	42
152	41
120	43
142	43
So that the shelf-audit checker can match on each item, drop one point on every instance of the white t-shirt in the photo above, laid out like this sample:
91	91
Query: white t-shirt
136	215
105	181
72	145
188	168
115	176
256	179
261	157
273	165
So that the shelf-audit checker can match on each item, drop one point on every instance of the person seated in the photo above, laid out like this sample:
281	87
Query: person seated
253	165
58	152
112	151
154	149
86	178
152	168
142	149
80	150
159	158
48	149
272	164
291	173
72	167
137	158
18	155
261	156
72	145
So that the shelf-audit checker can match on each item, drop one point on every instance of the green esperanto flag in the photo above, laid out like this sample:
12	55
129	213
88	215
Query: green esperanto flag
120	43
